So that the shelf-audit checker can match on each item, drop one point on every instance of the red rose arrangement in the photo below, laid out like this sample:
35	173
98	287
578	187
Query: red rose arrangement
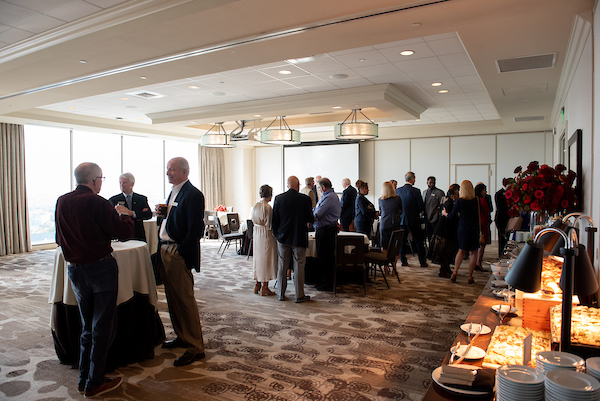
541	188
221	208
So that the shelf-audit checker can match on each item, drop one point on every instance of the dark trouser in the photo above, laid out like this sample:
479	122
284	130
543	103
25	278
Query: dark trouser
418	238
502	240
429	227
325	238
95	286
345	223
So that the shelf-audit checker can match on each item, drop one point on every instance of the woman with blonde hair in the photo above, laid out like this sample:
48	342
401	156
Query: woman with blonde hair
390	209
264	245
465	211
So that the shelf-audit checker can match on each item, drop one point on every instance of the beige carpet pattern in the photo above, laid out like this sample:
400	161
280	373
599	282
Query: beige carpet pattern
349	347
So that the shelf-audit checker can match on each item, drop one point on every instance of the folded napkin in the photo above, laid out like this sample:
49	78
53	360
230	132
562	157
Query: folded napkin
458	374
485	380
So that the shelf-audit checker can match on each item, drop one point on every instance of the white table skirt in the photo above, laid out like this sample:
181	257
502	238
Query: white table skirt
135	274
311	251
151	230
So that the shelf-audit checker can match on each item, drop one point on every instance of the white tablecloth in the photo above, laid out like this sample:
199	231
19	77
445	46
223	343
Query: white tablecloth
151	230
135	274
311	251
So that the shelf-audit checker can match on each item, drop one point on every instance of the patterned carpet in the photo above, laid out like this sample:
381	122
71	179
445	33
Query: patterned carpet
379	347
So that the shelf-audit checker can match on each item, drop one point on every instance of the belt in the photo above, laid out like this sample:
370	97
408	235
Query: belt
163	242
327	226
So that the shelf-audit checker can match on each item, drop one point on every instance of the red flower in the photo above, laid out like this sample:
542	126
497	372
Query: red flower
560	168
517	170
564	203
526	199
535	205
508	194
539	194
525	187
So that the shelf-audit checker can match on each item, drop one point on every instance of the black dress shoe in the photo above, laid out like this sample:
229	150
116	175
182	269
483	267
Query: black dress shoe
175	343
302	299
281	298
405	264
424	264
188	358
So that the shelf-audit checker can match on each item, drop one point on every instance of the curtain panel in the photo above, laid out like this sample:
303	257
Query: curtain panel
212	176
14	235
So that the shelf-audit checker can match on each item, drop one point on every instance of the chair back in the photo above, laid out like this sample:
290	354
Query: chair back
233	221
250	229
210	217
350	250
395	243
219	227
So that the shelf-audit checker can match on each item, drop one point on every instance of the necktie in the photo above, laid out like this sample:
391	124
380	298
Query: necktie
128	200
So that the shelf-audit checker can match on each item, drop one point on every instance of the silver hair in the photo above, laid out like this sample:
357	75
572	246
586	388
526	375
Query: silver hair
129	177
85	173
183	164
409	176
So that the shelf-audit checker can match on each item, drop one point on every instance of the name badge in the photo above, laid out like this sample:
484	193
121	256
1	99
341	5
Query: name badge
174	204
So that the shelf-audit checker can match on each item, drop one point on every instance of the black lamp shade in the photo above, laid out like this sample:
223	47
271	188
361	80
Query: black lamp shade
560	243
584	281
525	273
549	240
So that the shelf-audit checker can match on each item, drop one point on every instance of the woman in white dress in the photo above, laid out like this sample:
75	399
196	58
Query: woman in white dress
264	243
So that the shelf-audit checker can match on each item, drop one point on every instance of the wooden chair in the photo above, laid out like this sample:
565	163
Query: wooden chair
380	259
350	251
226	239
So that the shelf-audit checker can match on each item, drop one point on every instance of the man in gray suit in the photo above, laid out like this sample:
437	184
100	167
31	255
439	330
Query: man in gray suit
432	197
292	213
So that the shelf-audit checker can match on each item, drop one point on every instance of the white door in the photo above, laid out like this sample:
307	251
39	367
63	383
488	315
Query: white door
476	173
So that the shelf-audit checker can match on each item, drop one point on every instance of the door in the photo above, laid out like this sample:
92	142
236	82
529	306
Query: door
477	173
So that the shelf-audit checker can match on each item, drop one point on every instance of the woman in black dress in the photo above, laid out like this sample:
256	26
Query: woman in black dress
364	210
443	248
485	214
465	211
390	209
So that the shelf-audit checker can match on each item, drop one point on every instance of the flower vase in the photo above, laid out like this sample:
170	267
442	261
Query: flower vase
537	222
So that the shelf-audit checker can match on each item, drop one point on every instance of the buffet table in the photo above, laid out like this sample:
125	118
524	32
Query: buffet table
139	326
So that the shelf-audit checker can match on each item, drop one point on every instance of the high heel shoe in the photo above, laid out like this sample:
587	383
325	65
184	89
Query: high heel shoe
266	291
470	280
257	287
453	278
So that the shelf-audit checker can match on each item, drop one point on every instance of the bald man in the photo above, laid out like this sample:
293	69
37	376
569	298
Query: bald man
292	213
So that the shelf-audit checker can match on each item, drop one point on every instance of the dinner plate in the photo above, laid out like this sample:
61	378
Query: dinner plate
475	328
435	375
499	283
571	380
502	292
559	359
520	374
496	308
474	352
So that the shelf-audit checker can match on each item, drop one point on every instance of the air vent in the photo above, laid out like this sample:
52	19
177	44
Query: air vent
526	63
321	112
146	95
531	118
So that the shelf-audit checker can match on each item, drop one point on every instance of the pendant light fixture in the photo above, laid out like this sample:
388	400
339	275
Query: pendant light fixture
216	137
283	135
352	129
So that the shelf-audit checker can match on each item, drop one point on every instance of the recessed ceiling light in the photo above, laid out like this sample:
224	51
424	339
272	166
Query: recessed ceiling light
124	98
337	107
338	76
443	91
71	108
82	61
194	87
257	115
417	119
217	93
131	107
361	59
407	52
193	122
144	77
285	72
416	24
436	84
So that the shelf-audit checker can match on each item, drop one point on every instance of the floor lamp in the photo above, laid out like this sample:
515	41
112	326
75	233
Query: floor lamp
525	274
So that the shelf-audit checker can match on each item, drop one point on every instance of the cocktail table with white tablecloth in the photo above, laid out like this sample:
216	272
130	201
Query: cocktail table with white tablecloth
139	326
311	251
151	230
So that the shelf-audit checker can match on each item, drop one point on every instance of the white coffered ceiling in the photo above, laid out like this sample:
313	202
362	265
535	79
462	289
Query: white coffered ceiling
223	60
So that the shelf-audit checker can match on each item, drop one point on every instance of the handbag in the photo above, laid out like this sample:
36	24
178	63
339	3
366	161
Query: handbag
514	224
481	236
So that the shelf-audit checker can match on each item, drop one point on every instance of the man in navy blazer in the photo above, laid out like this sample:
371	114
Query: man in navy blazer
412	206
292	213
179	249
132	204
347	204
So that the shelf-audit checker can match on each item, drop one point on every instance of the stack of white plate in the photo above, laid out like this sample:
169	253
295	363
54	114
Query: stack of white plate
517	383
569	385
550	360
592	366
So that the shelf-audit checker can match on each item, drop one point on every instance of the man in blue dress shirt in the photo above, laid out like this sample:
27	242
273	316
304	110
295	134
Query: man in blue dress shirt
326	213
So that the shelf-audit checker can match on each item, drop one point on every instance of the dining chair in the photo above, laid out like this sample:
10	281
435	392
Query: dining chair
233	222
350	251
209	223
380	260
250	236
226	239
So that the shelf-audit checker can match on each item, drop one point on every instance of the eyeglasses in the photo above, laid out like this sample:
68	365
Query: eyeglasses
102	178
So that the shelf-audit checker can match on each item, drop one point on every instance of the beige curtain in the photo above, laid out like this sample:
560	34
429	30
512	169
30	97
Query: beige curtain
14	237
212	174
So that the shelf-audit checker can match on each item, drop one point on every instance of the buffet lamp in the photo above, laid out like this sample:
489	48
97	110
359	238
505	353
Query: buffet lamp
525	275
590	229
283	135
218	138
354	129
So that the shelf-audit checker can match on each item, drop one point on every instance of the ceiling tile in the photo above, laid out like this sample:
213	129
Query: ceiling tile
275	86
274	72
321	88
446	46
271	65
41	6
105	3
440	36
73	11
4	27
378	70
351	51
455	60
327	76
368	58
14	15
307	80
472	79
41	24
219	81
250	76
428	63
462	71
390	79
399	43
438	74
422	50
352	83
14	35
322	65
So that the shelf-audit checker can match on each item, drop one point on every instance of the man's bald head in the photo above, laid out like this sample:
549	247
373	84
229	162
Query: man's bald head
293	183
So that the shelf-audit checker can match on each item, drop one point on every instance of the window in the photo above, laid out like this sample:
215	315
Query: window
47	176
143	157
187	150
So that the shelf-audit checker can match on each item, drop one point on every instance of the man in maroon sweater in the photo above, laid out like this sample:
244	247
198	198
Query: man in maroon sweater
85	225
